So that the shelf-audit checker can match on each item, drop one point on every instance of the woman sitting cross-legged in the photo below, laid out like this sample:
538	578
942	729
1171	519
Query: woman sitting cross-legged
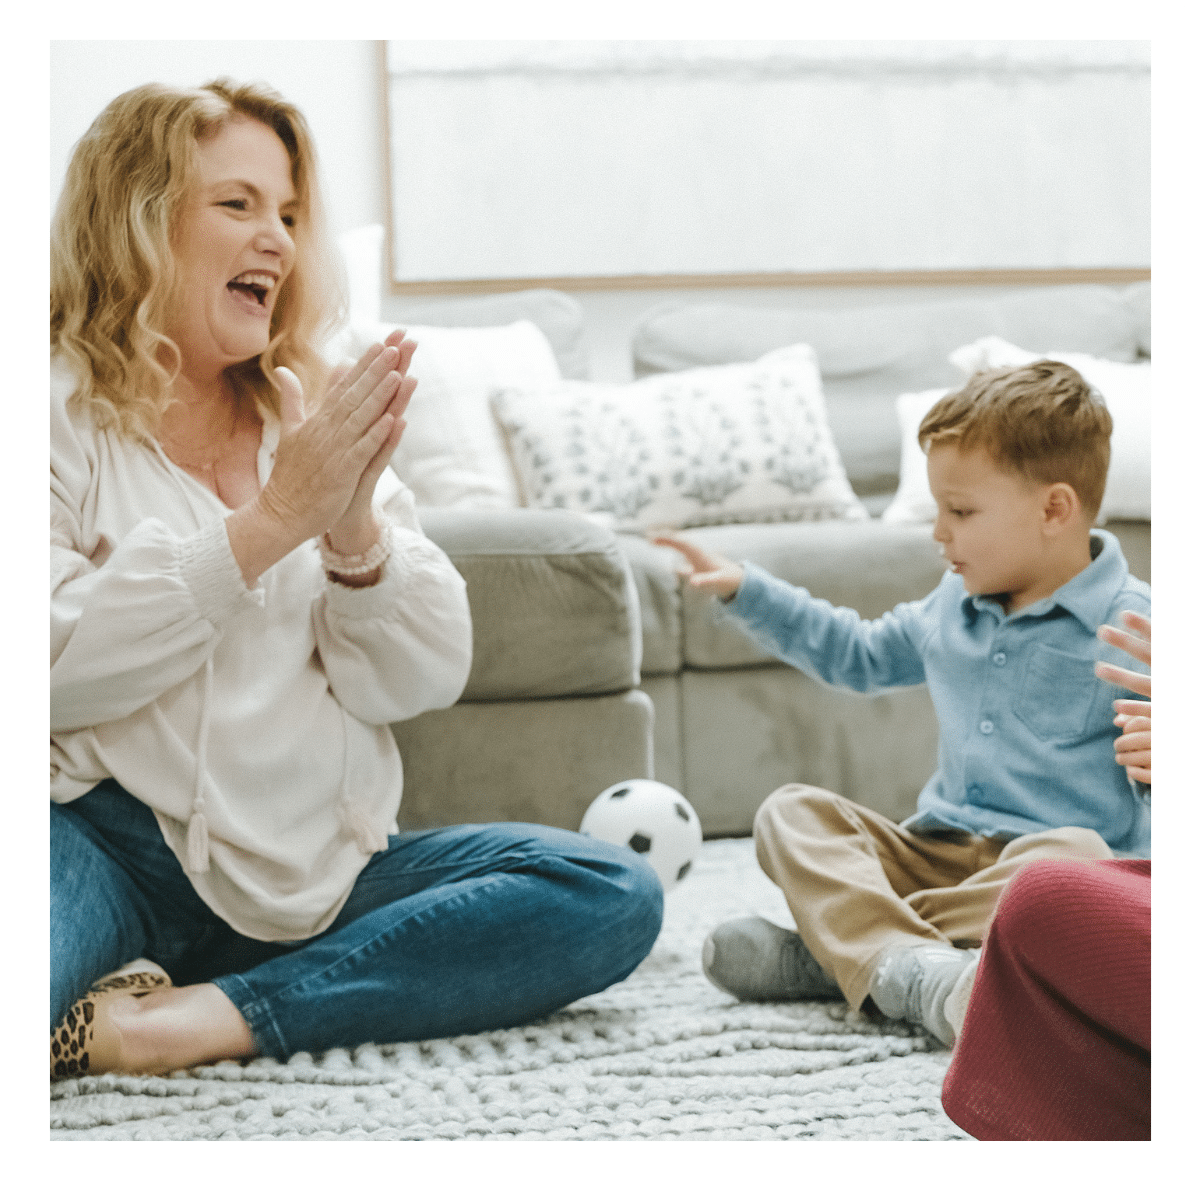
241	601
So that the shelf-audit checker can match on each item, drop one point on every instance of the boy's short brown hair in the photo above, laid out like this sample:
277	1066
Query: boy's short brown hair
1041	420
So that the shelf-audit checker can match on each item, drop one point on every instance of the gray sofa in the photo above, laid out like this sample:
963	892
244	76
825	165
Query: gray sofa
552	713
580	634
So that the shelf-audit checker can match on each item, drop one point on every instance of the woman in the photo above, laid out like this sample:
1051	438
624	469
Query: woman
1055	1043
241	600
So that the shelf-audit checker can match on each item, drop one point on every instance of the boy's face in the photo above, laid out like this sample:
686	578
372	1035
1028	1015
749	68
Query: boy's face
988	524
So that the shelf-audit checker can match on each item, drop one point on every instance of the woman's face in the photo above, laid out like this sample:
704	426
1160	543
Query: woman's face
233	247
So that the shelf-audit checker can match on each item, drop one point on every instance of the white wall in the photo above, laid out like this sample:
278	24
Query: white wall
337	84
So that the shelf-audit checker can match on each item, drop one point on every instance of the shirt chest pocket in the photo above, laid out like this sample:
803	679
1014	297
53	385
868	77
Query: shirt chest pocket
1057	694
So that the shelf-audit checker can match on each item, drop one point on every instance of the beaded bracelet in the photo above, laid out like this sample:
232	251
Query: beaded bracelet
356	566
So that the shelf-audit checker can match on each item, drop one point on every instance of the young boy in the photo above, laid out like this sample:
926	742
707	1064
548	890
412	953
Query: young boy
1017	461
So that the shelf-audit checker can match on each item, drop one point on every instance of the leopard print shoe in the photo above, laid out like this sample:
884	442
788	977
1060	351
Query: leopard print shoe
82	1044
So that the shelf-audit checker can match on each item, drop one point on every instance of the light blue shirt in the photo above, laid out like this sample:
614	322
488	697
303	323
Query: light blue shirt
1026	728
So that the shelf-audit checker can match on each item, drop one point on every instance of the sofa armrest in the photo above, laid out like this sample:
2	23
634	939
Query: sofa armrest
553	601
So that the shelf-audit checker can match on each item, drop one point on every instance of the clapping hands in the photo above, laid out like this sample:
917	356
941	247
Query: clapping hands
328	461
331	456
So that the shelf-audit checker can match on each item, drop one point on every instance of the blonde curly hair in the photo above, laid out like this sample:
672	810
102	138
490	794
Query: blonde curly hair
112	271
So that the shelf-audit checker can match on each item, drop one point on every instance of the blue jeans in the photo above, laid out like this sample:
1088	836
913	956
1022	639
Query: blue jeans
450	931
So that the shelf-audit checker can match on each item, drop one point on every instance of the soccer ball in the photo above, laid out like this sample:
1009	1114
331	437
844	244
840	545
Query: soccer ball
653	819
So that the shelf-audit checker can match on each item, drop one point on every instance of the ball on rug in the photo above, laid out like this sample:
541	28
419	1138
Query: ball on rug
652	818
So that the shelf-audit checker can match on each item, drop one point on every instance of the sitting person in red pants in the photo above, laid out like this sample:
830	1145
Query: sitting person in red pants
1054	1045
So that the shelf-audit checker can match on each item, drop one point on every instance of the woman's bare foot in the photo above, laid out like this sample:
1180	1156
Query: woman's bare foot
136	1022
175	1028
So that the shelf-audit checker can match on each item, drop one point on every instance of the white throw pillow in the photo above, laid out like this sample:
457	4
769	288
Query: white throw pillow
1126	389
743	443
913	502
453	453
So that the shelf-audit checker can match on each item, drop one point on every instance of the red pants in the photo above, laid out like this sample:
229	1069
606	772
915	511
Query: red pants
1055	1045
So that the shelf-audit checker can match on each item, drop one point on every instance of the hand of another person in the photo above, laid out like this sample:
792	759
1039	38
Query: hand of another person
707	571
1134	746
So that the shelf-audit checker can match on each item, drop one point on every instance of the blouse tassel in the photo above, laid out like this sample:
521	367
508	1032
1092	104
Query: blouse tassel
198	844
198	826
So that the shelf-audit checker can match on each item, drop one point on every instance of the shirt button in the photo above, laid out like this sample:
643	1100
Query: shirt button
1000	658
987	727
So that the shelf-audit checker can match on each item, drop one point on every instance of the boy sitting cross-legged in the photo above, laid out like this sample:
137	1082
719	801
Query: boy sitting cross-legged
1017	461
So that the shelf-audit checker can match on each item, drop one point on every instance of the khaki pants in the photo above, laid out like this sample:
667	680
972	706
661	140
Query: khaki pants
856	883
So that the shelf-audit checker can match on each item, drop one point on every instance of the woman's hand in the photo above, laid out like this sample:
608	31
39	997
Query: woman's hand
707	571
356	529
327	462
1134	746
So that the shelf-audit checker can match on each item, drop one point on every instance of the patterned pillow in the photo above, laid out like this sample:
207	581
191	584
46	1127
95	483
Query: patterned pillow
744	443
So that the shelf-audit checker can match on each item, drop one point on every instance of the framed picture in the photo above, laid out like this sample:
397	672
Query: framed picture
598	163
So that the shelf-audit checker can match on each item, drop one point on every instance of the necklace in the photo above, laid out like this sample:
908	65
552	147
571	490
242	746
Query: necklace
217	443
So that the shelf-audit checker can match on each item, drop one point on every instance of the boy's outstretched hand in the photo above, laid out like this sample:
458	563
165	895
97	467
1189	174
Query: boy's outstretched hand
1134	746
707	571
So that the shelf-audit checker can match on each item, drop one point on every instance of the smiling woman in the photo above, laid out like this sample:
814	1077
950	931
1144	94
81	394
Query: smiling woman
238	219
242	600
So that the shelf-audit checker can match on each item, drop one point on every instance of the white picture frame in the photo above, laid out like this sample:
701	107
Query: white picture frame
572	161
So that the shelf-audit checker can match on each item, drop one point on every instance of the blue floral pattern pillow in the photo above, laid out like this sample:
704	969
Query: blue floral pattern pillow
743	443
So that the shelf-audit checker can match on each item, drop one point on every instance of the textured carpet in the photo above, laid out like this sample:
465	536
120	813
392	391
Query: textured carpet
662	1056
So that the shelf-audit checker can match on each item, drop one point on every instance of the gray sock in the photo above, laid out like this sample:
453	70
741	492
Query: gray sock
757	961
912	982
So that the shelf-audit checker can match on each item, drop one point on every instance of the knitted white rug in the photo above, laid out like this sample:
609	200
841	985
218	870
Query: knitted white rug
661	1056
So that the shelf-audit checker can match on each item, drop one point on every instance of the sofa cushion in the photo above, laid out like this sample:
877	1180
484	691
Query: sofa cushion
659	589
742	443
1135	538
869	566
754	730
541	761
871	354
554	610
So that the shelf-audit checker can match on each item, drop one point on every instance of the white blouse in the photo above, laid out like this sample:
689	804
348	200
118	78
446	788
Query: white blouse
254	722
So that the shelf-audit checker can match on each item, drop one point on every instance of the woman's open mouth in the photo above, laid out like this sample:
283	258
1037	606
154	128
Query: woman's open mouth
253	287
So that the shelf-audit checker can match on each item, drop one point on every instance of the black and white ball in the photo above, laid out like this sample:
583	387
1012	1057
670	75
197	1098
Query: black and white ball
652	818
